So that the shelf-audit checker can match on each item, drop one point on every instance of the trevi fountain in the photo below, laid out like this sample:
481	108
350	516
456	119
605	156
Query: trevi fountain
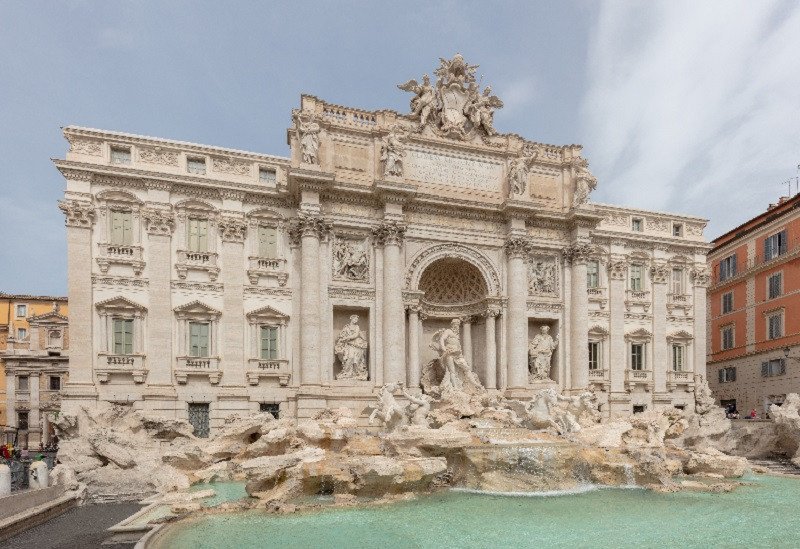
414	331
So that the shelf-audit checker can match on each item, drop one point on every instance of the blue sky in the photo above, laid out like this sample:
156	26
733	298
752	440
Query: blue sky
691	107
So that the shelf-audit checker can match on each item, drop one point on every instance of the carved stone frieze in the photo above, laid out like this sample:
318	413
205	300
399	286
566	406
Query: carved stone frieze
78	213
542	275
544	306
86	146
389	234
120	281
350	259
232	229
344	292
196	286
617	269
275	292
158	156
158	221
228	165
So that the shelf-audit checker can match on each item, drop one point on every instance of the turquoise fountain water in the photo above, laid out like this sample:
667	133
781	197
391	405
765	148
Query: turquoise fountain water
763	515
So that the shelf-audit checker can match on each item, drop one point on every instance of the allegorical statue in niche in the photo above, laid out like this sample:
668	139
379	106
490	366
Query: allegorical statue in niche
518	171
392	153
457	374
540	353
308	135
351	350
585	182
350	260
423	101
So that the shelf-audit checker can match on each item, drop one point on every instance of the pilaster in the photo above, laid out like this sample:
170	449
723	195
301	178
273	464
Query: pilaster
617	270
516	249
233	231
701	278
659	276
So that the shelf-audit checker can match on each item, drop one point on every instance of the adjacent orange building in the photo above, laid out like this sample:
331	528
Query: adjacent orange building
754	310
34	363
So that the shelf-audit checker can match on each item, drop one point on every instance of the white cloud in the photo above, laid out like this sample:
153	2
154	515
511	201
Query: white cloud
694	106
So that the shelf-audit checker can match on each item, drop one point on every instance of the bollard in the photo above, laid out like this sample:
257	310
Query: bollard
38	475
5	480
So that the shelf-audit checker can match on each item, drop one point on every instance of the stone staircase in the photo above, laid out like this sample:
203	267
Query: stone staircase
778	464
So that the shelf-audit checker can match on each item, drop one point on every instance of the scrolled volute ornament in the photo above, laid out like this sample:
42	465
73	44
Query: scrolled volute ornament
158	222
78	213
307	225
659	273
517	247
579	252
232	229
617	268
700	276
391	233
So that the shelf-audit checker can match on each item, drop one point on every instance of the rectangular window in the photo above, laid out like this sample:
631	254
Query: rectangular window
637	224
594	355
677	229
123	336
269	342
267	242
775	245
677	357
120	155
272	407
22	421
727	338
593	274
22	333
198	234
775	285
121	228
267	175
677	281
727	302
22	311
198	339
636	278
727	268
637	356
775	326
196	165
727	375
22	383
55	383
774	367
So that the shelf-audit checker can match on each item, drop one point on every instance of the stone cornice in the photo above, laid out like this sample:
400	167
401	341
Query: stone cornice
305	179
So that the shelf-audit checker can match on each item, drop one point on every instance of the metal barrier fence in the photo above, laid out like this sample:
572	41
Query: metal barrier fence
19	469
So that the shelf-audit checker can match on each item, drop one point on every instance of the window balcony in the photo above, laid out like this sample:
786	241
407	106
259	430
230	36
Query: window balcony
682	302
207	366
634	378
676	380
111	364
197	261
599	379
637	297
120	254
268	368
267	267
599	296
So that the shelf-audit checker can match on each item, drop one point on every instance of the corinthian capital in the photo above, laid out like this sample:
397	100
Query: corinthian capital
579	252
158	221
78	213
700	276
232	229
617	268
659	273
307	225
391	233
517	247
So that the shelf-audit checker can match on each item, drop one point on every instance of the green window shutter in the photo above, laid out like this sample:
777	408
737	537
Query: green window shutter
202	235
128	330
204	340
267	242
127	230
116	227
193	235
118	337
264	340
273	342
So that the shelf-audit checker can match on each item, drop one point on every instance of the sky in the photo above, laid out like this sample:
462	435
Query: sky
683	106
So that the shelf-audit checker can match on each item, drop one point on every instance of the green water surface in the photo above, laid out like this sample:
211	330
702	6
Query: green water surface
764	515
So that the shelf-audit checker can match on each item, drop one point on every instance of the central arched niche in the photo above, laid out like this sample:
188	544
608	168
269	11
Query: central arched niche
452	281
453	288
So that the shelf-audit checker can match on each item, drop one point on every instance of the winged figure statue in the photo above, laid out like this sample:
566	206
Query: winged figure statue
423	101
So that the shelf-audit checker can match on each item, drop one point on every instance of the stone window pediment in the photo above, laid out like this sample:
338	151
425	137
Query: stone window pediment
120	305
681	336
597	333
197	310
641	335
268	323
267	315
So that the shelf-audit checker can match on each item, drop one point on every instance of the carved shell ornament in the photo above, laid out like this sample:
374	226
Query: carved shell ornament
453	107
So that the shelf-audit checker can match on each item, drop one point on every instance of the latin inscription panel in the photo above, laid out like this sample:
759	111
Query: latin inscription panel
468	173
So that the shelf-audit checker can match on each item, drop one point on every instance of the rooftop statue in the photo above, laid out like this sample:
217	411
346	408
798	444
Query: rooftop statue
455	106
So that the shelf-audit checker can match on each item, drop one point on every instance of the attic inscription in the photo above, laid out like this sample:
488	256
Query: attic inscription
466	173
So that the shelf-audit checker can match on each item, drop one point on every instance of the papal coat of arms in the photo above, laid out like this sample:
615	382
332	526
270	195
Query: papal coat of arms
454	106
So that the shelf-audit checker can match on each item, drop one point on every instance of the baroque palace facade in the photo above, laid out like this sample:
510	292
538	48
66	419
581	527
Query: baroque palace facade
206	281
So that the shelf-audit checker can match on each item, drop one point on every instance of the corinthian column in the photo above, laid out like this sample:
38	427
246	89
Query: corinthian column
80	217
466	336
516	249
491	349
414	372
659	275
159	223
390	236
309	228
578	254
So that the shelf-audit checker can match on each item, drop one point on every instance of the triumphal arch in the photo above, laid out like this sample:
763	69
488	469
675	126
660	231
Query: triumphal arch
206	281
